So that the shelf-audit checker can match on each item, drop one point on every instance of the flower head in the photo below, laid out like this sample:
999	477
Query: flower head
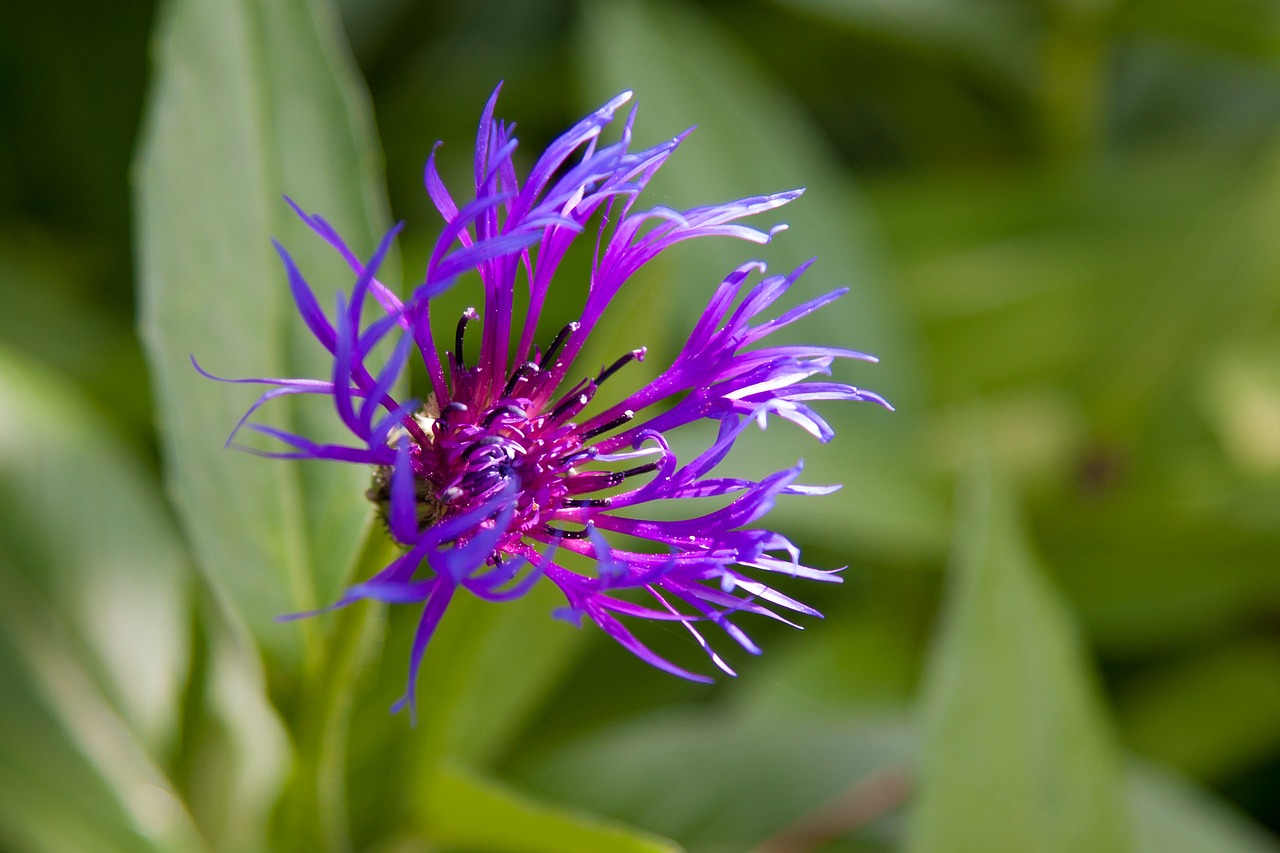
504	473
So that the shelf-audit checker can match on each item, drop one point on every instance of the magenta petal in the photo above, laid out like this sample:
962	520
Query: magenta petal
617	631
508	460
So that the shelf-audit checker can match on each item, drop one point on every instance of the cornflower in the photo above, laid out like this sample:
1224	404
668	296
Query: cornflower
504	474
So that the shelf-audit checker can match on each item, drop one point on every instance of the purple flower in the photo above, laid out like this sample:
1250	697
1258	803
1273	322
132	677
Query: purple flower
505	473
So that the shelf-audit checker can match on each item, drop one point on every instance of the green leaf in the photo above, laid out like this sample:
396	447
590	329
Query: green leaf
1212	716
92	348
996	37
93	629
235	759
73	775
251	101
487	672
752	138
1016	751
488	669
1171	815
467	810
721	782
1233	30
94	543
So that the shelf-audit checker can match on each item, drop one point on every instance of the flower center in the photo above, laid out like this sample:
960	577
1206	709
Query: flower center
471	457
463	456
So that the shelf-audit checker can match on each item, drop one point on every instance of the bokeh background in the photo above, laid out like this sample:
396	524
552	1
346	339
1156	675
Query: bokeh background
1059	221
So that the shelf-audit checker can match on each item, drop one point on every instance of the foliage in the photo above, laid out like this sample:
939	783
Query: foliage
1058	626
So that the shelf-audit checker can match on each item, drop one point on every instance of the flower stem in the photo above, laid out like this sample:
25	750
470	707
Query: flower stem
314	813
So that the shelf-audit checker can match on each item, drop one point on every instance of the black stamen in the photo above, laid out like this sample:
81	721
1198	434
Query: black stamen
467	316
563	408
619	364
564	334
451	409
526	369
487	441
566	534
613	424
586	502
639	469
572	459
503	410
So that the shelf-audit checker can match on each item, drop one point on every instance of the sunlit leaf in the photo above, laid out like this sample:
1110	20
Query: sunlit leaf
1016	752
467	810
1171	815
251	101
751	138
494	664
73	775
93	629
712	780
95	541
235	756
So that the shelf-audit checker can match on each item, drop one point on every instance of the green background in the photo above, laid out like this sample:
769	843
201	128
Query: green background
1060	624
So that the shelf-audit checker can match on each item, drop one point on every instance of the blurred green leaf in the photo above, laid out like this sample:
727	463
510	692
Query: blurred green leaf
863	655
1178	556
711	779
489	669
1170	815
1248	28
752	138
1208	284
991	36
1211	716
706	779
93	633
1017	755
43	279
493	665
251	101
313	814
73	773
90	536
466	810
1241	393
235	752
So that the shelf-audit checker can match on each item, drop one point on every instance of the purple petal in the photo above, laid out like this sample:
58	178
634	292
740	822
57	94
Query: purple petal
438	600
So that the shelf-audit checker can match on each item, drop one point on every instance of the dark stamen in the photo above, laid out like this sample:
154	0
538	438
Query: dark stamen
503	410
566	534
550	354
487	441
572	459
579	400
467	316
613	424
571	503
639	469
619	364
526	369
451	409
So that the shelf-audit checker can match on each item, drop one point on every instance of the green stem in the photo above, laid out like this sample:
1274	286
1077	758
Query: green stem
1071	93
314	814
